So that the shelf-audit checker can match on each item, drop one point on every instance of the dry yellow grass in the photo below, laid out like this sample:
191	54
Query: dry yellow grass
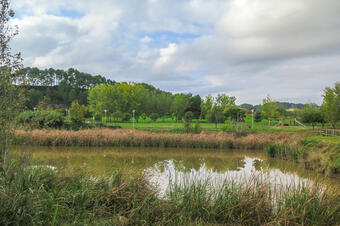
121	137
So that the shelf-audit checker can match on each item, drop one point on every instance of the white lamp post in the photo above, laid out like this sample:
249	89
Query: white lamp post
252	120
133	120
105	114
34	109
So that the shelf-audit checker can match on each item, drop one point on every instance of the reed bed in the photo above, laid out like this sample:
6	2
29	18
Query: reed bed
136	138
43	196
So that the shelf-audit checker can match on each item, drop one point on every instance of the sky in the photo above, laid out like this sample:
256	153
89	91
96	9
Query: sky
288	49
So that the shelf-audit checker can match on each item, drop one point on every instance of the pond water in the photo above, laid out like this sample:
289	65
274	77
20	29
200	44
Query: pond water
180	165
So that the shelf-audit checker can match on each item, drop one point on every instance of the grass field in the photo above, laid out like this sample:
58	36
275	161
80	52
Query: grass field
170	125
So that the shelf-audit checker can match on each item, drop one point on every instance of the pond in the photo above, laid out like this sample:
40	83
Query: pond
180	165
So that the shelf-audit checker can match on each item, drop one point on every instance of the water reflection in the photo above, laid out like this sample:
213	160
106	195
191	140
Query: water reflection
165	173
164	164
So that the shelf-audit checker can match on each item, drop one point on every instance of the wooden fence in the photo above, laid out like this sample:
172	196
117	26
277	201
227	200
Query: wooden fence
329	132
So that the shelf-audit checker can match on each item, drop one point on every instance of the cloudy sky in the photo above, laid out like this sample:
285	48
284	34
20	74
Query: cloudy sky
247	48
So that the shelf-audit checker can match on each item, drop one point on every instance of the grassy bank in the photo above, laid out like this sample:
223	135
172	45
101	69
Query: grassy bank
317	153
42	196
135	138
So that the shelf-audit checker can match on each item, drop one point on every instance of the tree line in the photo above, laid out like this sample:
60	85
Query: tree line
57	89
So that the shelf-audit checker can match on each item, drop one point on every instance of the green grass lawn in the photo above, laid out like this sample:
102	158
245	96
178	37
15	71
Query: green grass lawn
170	125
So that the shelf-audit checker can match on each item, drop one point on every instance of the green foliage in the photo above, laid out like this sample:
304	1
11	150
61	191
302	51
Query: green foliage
258	116
269	109
188	116
215	115
11	95
197	128
154	117
54	120
117	115
179	105
41	119
144	116
206	106
77	113
331	104
126	117
59	86
311	114
225	101
235	113
43	196
195	106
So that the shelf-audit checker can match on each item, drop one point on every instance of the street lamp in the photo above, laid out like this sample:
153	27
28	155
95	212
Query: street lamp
133	121
34	109
252	120
105	114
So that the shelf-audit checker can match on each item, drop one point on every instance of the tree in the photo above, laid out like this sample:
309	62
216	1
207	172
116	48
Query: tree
215	115
225	101
195	106
187	121
11	95
331	104
311	114
77	113
180	104
258	116
206	106
269	109
235	113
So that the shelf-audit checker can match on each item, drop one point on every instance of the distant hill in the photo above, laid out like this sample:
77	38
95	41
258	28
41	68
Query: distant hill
286	105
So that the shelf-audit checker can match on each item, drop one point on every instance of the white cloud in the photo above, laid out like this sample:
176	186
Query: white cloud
289	49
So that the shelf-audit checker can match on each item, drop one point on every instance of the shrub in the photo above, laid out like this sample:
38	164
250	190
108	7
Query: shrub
258	116
41	119
26	117
154	117
187	121
54	120
77	113
126	117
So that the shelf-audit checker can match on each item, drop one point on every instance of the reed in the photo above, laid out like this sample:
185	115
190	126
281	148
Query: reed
128	138
42	196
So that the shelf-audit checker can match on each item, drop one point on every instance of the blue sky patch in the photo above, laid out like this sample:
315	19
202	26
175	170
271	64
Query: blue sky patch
68	13
159	38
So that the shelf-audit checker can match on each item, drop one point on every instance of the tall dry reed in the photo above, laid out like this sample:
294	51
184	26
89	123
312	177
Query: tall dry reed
135	138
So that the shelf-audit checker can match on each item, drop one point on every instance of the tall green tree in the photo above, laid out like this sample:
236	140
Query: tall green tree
77	113
311	113
269	109
179	105
331	104
195	105
206	106
224	101
215	115
11	95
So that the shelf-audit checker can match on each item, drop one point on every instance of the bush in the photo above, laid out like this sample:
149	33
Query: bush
154	117
77	113
41	119
54	120
197	128
126	117
187	121
26	117
258	116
